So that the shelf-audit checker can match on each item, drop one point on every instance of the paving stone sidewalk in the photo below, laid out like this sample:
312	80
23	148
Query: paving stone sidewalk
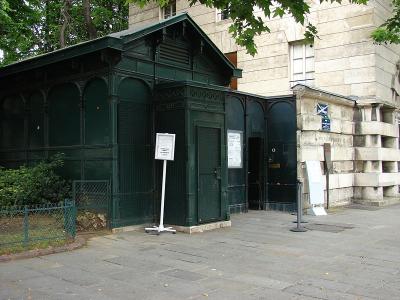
351	254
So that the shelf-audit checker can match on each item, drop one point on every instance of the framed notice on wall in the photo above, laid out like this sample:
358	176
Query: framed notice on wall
235	149
165	146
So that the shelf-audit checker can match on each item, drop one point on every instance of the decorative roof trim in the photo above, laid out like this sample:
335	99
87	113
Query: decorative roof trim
114	41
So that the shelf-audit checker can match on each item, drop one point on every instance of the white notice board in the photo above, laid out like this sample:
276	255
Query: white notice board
165	146
235	149
315	183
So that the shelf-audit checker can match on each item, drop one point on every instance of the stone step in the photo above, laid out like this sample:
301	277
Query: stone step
386	201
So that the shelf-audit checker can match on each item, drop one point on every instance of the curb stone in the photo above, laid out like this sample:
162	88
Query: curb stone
76	244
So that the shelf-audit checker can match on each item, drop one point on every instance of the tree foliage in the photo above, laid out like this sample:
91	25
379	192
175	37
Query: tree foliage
246	25
33	185
389	31
31	27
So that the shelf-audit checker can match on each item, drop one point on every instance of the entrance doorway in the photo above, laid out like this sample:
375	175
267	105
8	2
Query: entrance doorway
209	174
282	161
254	178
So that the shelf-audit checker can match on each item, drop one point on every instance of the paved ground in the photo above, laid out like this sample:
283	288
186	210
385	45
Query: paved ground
354	254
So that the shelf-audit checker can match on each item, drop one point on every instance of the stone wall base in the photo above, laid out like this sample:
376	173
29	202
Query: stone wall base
386	201
185	229
203	227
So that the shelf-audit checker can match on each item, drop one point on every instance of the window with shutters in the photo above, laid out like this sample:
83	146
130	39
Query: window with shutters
302	63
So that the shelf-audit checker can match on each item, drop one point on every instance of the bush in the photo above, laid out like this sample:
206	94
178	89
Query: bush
33	185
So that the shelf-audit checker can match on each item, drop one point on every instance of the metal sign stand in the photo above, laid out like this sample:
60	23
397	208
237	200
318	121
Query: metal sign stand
299	227
161	227
165	144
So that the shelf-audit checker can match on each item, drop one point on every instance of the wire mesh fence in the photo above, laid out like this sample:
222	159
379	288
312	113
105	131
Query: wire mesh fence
92	198
24	227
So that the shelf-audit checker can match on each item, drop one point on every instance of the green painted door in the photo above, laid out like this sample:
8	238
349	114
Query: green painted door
209	173
282	161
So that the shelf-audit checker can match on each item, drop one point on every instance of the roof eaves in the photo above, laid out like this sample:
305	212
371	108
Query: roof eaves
174	20
62	54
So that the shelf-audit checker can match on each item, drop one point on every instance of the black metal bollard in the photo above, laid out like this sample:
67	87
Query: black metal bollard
299	227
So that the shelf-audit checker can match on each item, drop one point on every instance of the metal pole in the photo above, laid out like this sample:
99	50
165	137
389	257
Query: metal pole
327	188
161	227
163	196
299	227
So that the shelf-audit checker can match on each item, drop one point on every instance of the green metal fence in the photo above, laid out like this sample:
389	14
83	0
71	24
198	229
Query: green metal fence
35	226
93	202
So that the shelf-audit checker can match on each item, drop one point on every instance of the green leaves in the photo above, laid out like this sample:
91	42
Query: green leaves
33	185
31	27
246	24
383	35
389	31
310	34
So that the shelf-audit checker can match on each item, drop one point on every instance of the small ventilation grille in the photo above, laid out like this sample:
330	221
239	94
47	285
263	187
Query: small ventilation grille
174	54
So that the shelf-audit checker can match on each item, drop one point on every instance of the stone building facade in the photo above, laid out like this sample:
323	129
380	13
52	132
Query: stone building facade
364	132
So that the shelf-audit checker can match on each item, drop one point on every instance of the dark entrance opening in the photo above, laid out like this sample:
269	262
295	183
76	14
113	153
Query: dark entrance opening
255	182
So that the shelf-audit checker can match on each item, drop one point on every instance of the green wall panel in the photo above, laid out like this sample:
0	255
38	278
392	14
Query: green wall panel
135	153
97	112
255	120
145	67
173	121
97	169
12	122
129	64
64	115
71	170
36	120
237	176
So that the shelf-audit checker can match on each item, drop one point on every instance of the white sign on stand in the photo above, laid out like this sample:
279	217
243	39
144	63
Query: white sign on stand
165	150
165	146
315	188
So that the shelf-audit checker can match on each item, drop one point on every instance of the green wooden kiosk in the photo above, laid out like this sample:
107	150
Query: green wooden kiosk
101	103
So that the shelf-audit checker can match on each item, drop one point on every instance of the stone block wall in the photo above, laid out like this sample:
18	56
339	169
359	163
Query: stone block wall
346	60
311	138
365	146
377	153
386	57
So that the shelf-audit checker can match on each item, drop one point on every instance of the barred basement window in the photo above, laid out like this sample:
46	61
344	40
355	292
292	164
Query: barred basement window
302	63
169	10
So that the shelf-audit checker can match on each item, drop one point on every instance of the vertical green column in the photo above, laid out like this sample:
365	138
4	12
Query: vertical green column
114	141
69	210
26	226
73	218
